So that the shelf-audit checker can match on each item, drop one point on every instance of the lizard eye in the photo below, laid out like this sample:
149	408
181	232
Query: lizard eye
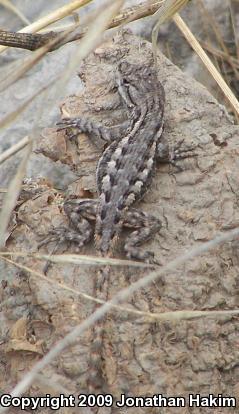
123	66
125	82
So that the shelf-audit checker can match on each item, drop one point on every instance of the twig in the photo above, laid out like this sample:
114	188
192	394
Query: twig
33	41
46	20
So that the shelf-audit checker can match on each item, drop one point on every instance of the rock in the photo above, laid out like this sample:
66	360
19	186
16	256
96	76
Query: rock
195	202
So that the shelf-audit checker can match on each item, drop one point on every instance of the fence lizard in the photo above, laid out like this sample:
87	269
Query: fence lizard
123	175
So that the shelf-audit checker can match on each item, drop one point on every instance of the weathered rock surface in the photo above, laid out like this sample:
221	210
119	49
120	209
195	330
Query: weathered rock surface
195	203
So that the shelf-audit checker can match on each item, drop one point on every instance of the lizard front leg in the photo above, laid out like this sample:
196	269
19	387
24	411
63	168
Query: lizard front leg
94	129
165	154
146	226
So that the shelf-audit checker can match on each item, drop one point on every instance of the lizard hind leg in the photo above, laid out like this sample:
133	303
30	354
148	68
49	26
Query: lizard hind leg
80	212
80	231
146	226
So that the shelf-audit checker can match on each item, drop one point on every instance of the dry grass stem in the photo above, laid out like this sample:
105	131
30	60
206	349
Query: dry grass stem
99	23
9	118
88	43
220	54
27	64
37	40
233	14
120	297
213	24
92	38
51	18
207	62
165	12
169	316
15	10
11	197
81	259
14	149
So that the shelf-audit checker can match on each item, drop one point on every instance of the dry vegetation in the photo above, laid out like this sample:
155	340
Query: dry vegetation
221	60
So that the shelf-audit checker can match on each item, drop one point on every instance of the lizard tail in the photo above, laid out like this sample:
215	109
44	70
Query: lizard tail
96	381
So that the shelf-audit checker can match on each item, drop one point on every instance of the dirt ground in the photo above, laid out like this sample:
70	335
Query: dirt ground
195	202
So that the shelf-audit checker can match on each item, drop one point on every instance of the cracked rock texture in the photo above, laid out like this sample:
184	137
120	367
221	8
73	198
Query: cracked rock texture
195	202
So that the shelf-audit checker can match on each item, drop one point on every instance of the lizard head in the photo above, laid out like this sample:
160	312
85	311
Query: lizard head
135	80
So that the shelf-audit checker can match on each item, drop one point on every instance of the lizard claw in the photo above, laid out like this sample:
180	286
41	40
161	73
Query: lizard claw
178	153
138	254
55	234
67	124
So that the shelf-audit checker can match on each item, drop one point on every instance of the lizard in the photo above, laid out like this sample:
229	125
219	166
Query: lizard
123	175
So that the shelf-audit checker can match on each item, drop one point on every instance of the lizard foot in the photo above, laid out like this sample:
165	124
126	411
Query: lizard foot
146	226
